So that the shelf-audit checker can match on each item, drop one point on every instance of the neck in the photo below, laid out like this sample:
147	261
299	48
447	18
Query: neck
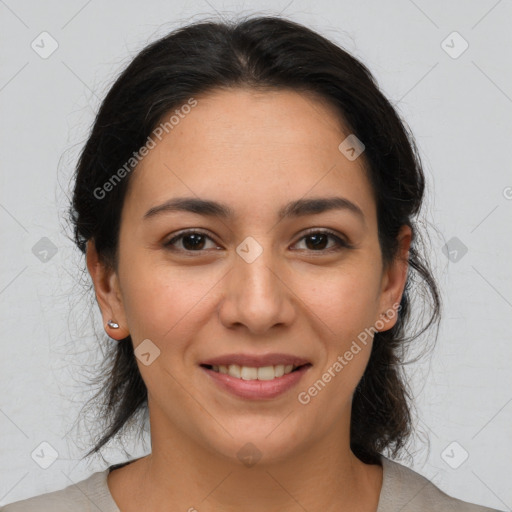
325	475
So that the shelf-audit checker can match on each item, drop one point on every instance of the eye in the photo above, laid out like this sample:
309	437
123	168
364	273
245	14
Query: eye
318	239
195	241
192	241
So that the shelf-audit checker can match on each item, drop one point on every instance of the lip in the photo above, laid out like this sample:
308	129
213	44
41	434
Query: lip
257	389
255	361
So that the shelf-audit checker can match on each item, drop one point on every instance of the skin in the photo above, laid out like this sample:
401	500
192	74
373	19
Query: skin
254	151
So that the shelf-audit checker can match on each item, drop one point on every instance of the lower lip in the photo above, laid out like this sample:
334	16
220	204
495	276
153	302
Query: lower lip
257	389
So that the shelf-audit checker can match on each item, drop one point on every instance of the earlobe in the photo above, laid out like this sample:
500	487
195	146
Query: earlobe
108	295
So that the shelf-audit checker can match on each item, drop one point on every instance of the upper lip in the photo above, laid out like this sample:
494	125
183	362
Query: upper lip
255	360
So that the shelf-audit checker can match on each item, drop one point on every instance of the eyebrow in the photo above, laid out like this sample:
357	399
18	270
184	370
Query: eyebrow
298	208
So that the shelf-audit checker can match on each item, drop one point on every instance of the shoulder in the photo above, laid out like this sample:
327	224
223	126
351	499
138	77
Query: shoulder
84	496
405	490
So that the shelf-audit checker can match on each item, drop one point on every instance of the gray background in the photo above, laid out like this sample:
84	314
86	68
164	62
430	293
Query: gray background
459	108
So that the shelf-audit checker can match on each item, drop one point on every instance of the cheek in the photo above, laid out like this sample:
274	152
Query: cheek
344	309
343	300
162	301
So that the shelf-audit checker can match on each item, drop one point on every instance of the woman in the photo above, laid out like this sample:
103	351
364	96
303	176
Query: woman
246	204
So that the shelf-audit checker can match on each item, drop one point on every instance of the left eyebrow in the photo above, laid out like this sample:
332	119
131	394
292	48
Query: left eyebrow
298	208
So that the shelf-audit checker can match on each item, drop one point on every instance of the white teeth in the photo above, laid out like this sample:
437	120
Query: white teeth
233	370
279	370
266	373
252	373
248	373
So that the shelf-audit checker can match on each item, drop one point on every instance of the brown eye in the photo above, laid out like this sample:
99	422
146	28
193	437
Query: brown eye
192	241
317	241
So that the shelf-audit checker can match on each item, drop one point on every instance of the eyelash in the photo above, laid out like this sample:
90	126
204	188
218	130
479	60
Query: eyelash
340	243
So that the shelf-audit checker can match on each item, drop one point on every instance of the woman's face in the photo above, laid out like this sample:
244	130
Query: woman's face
251	283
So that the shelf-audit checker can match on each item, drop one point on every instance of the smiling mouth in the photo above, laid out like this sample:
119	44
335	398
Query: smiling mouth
255	373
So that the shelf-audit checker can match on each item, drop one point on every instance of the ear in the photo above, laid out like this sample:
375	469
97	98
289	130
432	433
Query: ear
108	294
393	281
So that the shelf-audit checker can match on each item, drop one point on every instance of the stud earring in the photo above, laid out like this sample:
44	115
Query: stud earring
112	324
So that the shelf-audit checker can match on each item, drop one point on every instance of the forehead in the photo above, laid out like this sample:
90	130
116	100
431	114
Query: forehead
251	149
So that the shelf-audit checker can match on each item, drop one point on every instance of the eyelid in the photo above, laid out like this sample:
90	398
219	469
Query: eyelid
325	231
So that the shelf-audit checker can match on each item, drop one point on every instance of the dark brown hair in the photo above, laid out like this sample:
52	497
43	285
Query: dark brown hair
261	52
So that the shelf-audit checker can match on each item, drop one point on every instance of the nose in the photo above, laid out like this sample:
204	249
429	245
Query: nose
256	294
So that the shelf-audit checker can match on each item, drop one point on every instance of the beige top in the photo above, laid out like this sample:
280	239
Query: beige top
402	490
